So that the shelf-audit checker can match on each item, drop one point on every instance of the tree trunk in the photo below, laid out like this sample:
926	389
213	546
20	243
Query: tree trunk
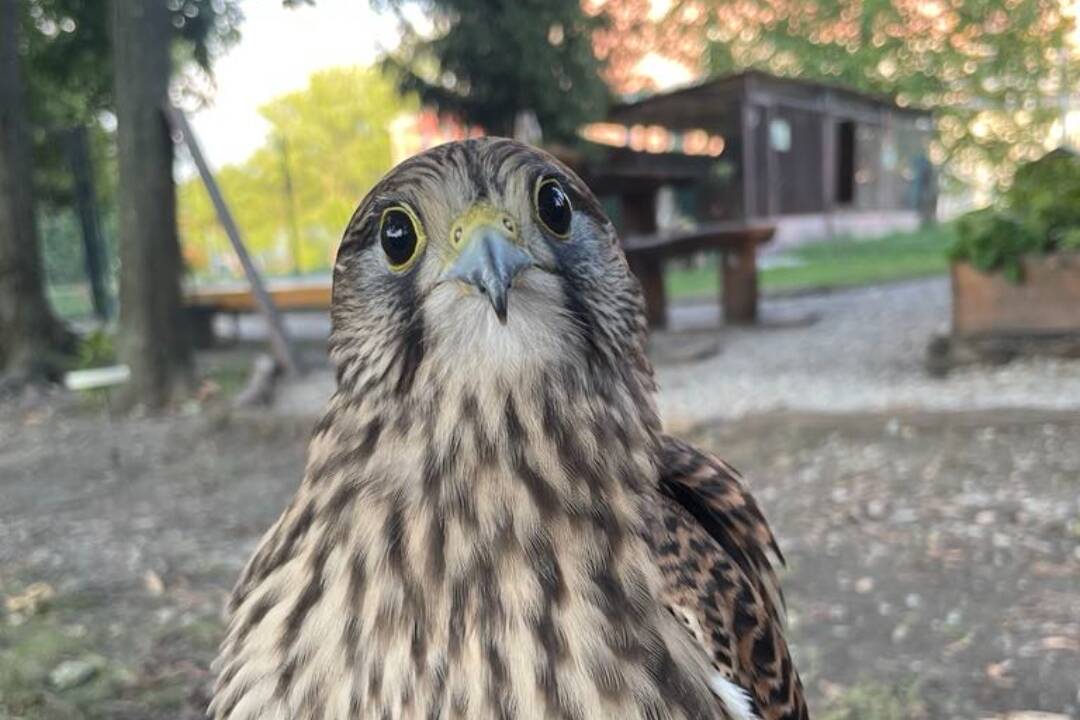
153	334
32	340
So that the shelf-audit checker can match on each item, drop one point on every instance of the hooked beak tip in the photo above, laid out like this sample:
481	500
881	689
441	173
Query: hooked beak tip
500	311
489	262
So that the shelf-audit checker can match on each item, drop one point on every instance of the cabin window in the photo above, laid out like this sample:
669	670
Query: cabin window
845	162
780	135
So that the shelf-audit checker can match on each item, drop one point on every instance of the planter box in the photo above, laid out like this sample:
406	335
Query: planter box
1046	303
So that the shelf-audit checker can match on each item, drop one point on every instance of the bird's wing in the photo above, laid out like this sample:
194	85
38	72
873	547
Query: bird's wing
713	546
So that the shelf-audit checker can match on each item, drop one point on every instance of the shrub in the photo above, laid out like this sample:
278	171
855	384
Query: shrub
1046	193
96	350
993	240
1039	213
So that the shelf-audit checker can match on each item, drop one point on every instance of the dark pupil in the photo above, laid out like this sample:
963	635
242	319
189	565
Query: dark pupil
554	208
398	237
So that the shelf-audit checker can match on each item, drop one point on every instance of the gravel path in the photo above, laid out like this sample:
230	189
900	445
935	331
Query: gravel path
933	558
864	353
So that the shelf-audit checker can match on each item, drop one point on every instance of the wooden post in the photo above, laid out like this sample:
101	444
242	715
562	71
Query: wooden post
740	283
279	339
86	207
638	211
749	163
828	162
772	165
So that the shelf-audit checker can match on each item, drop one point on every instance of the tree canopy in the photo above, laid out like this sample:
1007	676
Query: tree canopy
327	145
992	72
68	63
487	61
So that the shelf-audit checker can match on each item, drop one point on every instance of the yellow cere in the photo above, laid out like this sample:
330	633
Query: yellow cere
477	216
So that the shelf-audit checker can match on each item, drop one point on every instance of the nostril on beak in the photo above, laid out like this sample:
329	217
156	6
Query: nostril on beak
489	261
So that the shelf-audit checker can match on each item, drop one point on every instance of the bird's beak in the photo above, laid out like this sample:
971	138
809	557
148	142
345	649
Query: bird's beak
489	256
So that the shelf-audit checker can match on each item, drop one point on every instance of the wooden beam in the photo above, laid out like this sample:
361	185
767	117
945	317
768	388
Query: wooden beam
638	212
739	284
279	339
772	165
86	208
239	299
748	159
828	162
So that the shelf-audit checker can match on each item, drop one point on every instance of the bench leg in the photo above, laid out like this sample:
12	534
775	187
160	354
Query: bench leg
200	322
738	276
650	273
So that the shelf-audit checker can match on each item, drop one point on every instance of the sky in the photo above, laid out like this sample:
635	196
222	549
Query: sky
278	50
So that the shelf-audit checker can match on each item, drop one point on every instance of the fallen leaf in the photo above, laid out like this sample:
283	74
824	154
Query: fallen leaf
31	600
153	583
831	690
999	673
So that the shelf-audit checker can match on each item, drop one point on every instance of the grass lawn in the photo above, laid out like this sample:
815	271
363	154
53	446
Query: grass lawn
836	263
71	301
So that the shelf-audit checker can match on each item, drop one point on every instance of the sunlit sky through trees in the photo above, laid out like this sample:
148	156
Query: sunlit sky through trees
993	74
281	47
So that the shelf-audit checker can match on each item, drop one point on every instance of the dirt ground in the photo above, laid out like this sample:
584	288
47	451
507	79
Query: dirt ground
934	558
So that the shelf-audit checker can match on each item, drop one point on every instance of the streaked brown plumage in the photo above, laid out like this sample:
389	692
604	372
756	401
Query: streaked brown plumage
491	523
713	545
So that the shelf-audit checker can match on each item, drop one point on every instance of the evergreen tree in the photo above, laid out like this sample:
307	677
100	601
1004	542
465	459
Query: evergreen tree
488	61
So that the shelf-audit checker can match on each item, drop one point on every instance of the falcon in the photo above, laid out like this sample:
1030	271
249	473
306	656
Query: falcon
491	522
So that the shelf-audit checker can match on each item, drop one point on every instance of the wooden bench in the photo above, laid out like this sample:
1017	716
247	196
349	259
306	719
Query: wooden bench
737	243
203	303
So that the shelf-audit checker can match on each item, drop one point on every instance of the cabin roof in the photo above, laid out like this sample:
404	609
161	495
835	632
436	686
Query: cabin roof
737	85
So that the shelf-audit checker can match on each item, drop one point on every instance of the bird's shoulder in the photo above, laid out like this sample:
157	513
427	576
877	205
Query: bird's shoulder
716	554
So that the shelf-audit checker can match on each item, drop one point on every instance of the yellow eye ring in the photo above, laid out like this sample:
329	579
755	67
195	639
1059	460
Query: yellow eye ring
552	207
401	236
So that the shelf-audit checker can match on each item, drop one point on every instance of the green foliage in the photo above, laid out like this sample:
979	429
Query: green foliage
1040	213
991	71
1069	239
68	65
1047	194
328	144
96	350
491	60
876	701
993	240
844	262
61	247
68	59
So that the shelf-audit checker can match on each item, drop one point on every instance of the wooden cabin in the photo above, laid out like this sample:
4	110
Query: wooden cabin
811	159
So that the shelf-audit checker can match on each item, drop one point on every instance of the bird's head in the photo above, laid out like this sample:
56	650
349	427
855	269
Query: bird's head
486	257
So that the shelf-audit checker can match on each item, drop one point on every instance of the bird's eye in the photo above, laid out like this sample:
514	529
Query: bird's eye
553	207
401	237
